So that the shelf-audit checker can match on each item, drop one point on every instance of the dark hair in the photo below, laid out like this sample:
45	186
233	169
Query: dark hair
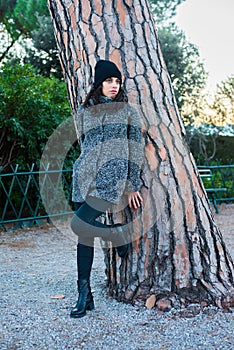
95	94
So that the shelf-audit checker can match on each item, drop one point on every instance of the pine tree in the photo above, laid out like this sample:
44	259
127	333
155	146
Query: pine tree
179	253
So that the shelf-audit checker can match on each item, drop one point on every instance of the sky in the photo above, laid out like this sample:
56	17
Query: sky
209	24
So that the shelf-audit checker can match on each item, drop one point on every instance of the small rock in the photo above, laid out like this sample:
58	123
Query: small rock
228	301
210	311
58	296
164	304
150	302
160	313
186	313
182	301
142	323
204	304
227	311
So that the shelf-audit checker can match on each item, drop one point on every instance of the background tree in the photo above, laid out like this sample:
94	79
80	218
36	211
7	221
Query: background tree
31	107
19	18
184	66
178	251
27	23
223	104
6	9
183	61
212	118
43	53
164	9
30	19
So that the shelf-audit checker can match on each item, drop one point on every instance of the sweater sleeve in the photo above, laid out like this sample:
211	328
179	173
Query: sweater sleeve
79	124
135	151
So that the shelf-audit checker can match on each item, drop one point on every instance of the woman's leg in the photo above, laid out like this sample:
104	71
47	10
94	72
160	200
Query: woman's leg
85	253
84	223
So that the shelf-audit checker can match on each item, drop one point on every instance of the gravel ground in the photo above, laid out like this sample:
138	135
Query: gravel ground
38	288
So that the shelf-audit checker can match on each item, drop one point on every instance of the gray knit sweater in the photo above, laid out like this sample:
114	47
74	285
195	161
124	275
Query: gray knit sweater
111	152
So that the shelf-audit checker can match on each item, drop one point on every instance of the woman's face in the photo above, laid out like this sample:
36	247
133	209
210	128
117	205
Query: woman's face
110	87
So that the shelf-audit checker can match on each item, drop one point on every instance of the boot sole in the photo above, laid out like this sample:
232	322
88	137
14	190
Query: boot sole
89	307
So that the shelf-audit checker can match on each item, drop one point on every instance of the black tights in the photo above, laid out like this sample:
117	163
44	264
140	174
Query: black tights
84	224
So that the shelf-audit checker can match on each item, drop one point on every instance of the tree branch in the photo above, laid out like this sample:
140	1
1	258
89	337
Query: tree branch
7	50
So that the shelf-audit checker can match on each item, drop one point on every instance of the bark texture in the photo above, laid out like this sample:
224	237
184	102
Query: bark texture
178	252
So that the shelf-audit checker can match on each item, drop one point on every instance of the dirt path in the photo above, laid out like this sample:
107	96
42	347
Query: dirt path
38	289
225	221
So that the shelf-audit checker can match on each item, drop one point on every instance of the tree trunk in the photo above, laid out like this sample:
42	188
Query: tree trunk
178	251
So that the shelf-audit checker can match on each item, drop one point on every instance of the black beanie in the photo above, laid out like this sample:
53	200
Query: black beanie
103	70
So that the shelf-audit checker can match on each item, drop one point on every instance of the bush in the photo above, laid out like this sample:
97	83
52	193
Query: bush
223	153
32	107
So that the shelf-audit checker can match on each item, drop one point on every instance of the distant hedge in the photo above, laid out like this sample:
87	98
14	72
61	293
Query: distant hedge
224	149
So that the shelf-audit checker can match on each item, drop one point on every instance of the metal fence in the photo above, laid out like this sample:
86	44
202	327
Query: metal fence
34	197
222	177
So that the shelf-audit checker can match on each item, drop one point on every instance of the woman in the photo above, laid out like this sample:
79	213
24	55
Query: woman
107	171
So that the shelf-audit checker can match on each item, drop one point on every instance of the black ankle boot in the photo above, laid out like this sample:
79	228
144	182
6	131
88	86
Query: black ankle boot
85	300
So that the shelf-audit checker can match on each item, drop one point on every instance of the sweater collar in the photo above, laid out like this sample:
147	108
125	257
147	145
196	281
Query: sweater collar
104	99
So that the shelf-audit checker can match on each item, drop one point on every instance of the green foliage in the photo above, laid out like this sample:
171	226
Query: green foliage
226	90
6	6
224	146
221	178
164	9
20	16
29	19
223	103
43	55
26	12
32	107
183	63
182	58
6	11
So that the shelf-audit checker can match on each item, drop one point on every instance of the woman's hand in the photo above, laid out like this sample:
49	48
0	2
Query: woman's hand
134	200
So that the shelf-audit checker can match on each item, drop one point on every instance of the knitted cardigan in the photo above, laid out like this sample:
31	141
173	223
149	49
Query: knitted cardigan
111	158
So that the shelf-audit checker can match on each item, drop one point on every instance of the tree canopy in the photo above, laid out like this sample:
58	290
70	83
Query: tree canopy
164	9
29	19
224	102
32	107
28	23
20	16
183	63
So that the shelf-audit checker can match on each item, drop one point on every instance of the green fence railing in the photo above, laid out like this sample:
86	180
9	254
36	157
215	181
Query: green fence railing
33	197
222	177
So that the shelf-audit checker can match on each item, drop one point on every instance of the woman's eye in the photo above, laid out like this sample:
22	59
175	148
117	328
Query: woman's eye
110	80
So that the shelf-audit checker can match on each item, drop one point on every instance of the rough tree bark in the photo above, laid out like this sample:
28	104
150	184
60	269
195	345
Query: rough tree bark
179	254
